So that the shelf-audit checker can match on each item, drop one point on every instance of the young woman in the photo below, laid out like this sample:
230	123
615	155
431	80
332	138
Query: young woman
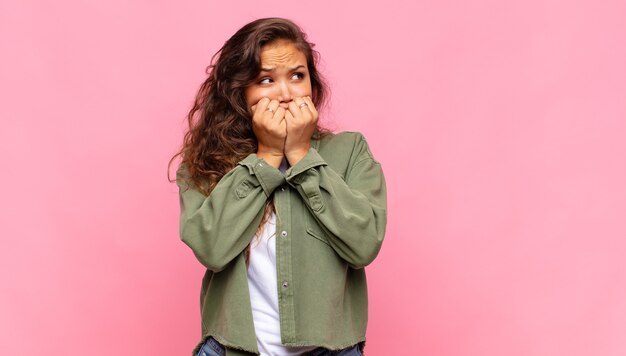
283	214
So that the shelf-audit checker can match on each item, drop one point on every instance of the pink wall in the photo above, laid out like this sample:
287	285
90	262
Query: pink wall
501	127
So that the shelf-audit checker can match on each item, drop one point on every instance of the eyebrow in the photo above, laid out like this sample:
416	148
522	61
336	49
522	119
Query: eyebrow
274	68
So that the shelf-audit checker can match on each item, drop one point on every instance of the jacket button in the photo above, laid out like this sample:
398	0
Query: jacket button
285	284
283	234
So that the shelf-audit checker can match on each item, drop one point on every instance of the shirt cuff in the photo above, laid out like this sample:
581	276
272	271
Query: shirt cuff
297	173
269	177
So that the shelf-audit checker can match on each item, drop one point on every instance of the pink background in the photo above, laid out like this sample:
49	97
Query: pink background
501	127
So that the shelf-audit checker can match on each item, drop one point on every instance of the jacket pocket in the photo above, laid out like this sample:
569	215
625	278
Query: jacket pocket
313	228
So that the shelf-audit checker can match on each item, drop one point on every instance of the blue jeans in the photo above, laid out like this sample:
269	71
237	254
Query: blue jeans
213	348
348	351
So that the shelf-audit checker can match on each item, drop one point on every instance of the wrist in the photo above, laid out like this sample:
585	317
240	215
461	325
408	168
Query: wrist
296	155
272	158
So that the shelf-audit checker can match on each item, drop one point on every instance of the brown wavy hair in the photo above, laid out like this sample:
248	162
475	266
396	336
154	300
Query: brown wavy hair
220	126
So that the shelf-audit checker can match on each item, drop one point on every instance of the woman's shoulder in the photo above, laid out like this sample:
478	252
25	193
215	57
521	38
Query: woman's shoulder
185	180
344	146
346	139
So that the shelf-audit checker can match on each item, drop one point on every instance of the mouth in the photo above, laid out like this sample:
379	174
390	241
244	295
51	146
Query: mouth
284	105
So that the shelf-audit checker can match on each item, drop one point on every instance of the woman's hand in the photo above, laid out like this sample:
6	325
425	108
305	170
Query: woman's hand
269	126
301	120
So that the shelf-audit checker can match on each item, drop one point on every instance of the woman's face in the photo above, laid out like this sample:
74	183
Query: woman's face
283	77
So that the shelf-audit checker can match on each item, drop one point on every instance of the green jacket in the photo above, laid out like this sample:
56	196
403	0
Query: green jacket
331	213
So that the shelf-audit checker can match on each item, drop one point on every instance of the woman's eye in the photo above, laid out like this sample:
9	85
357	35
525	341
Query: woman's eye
297	75
265	81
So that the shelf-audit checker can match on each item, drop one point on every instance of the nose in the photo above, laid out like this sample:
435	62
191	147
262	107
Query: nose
285	93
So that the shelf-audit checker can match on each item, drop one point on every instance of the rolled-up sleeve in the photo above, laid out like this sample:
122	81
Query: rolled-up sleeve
218	227
352	210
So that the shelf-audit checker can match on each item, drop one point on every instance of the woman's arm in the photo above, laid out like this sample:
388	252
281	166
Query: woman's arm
219	227
352	211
